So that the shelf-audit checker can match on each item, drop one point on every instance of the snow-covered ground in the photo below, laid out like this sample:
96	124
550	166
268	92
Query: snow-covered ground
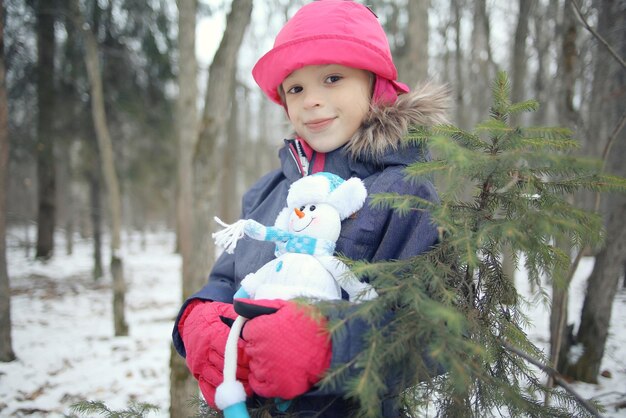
63	332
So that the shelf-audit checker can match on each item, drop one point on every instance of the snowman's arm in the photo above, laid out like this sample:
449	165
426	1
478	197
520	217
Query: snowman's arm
228	237
356	290
260	232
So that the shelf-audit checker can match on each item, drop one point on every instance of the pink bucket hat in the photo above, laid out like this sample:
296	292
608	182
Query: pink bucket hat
330	32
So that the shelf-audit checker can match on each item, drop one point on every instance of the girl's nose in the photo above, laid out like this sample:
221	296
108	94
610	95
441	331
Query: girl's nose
299	213
313	98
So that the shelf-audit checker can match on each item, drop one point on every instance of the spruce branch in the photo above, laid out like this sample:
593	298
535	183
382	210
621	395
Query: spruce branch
134	409
557	378
461	137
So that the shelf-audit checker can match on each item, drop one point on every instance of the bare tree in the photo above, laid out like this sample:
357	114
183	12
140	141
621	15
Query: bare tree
544	21
45	129
6	345
609	110
459	68
187	127
603	282
200	161
207	164
182	384
229	202
567	69
518	64
518	78
95	203
413	58
482	67
567	117
108	168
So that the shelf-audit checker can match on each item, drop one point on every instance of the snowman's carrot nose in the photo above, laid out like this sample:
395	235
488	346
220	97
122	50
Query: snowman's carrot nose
299	213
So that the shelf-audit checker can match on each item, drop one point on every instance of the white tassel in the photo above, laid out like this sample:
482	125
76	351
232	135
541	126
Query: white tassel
231	391
227	238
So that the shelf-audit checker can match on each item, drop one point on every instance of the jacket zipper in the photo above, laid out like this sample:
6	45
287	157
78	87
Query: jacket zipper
299	157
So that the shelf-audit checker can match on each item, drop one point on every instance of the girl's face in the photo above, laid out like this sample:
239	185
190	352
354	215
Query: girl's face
327	103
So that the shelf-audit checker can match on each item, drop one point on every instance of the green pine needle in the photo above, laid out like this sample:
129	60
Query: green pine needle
134	409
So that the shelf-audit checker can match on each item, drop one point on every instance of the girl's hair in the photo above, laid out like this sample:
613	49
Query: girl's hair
281	94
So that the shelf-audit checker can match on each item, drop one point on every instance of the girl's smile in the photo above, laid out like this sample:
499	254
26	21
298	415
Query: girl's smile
319	124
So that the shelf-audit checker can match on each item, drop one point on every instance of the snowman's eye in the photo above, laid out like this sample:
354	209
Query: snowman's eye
312	208
302	207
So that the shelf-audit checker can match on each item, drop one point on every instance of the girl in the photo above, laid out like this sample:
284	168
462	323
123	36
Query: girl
331	69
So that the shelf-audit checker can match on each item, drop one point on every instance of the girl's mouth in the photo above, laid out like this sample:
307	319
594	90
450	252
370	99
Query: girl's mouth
318	124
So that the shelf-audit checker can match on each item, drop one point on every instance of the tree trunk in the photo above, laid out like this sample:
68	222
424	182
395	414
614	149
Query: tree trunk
197	187
545	37
459	68
567	66
518	77
609	266
229	208
64	190
45	132
183	386
108	168
601	85
6	344
483	67
560	334
518	65
208	155
96	221
601	289
560	289
413	65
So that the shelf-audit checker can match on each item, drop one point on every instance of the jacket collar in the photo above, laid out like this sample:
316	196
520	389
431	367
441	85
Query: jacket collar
385	126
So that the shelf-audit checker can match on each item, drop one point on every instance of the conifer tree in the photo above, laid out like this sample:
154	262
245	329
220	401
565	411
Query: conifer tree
454	307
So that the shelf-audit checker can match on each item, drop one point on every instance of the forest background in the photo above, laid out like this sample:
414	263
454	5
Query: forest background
121	118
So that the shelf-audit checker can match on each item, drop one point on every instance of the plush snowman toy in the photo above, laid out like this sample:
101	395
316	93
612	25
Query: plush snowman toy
305	233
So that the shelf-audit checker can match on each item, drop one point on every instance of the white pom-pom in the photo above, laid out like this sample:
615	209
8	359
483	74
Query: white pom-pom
229	393
348	197
227	238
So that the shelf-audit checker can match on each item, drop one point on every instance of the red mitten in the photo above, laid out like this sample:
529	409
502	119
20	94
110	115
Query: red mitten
289	350
204	335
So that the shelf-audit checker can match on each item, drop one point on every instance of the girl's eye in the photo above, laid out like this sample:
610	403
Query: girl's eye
333	79
312	208
294	90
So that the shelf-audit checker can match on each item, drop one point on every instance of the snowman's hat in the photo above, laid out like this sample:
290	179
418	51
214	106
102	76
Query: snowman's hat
346	196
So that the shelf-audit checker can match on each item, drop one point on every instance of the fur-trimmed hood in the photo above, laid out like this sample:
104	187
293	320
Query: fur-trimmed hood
385	125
